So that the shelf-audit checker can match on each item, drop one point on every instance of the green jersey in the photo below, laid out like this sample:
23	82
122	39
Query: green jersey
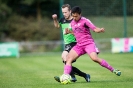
68	38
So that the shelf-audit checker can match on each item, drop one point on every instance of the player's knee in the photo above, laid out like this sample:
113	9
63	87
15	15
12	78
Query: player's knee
69	59
63	58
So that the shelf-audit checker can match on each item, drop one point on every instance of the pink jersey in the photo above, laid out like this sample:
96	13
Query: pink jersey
82	32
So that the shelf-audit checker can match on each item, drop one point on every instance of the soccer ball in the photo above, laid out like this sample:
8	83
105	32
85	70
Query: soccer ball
65	79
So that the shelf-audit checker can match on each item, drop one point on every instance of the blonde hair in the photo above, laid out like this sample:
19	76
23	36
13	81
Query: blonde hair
66	5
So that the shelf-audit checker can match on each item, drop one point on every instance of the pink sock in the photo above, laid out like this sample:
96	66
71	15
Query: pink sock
106	65
67	69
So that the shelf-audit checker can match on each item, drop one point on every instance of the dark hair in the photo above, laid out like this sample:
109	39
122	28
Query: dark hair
66	5
76	9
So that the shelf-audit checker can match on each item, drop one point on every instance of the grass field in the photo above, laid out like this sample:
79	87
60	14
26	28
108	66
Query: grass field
38	72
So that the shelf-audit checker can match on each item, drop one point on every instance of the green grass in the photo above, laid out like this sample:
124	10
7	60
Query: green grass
38	72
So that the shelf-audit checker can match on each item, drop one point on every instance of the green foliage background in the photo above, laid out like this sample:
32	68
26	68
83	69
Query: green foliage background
30	20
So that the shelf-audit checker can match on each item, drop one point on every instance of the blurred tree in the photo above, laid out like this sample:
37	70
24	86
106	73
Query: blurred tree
5	11
31	19
28	20
42	6
30	2
27	29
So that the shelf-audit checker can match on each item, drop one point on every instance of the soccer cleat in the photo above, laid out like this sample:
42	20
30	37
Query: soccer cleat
87	78
117	72
57	78
73	79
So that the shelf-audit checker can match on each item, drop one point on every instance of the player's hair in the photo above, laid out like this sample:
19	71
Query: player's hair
76	9
66	5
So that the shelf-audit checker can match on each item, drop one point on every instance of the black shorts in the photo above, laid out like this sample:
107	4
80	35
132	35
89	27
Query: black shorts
69	46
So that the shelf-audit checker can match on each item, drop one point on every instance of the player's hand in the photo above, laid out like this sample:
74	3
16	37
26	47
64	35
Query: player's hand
66	31
99	30
102	30
54	16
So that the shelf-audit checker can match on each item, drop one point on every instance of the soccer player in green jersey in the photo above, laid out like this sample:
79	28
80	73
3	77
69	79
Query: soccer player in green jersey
69	41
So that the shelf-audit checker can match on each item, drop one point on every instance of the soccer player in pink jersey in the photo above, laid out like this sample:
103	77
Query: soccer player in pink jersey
69	41
81	27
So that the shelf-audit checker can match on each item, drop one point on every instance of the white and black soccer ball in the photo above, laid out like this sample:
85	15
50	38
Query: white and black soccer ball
65	79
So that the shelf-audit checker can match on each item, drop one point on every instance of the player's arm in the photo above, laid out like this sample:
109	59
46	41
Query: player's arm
93	27
56	23
99	30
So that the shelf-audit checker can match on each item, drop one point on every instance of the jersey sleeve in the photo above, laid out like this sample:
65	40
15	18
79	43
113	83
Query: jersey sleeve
90	24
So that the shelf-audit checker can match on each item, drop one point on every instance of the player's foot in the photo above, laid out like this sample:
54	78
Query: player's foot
117	72
73	79
87	78
57	78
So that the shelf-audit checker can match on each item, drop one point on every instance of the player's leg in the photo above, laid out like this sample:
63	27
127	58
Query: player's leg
74	53
104	63
57	78
78	72
63	56
70	58
68	47
82	74
92	51
80	51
